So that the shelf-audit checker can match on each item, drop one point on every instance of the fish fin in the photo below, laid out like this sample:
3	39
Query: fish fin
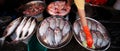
2	41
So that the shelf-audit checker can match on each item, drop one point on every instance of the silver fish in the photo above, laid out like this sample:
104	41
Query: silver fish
95	38
99	39
102	30
93	26
58	36
43	28
89	24
19	28
83	38
10	28
57	22
66	28
50	36
104	43
52	22
31	28
76	28
25	28
61	23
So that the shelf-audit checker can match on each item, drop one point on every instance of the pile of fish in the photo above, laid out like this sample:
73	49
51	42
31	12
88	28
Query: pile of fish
54	32
60	8
101	40
22	28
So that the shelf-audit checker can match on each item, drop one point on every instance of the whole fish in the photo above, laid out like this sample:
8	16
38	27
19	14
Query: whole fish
101	29
95	38
89	24
93	26
25	28
83	38
19	28
57	22
99	39
52	22
58	36
76	28
31	28
50	36
66	28
43	28
10	28
61	23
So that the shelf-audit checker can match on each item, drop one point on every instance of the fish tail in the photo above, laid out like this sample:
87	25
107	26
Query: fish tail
2	41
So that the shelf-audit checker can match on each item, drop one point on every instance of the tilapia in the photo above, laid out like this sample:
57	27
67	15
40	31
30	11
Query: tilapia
66	28
43	28
61	23
19	28
58	36
76	28
25	28
10	28
50	36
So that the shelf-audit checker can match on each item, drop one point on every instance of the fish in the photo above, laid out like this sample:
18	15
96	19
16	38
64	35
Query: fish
83	38
25	28
43	28
99	39
50	36
57	22
76	28
95	38
101	29
58	36
10	28
93	26
31	28
66	28
51	22
19	28
89	24
61	23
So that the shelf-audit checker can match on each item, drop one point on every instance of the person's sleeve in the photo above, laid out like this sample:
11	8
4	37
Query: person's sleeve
79	3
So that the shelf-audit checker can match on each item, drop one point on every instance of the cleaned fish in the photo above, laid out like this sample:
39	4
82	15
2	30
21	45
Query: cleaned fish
19	28
10	28
43	28
58	36
25	28
76	28
66	28
50	36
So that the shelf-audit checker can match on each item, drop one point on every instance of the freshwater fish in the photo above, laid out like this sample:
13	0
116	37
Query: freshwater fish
10	28
51	22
